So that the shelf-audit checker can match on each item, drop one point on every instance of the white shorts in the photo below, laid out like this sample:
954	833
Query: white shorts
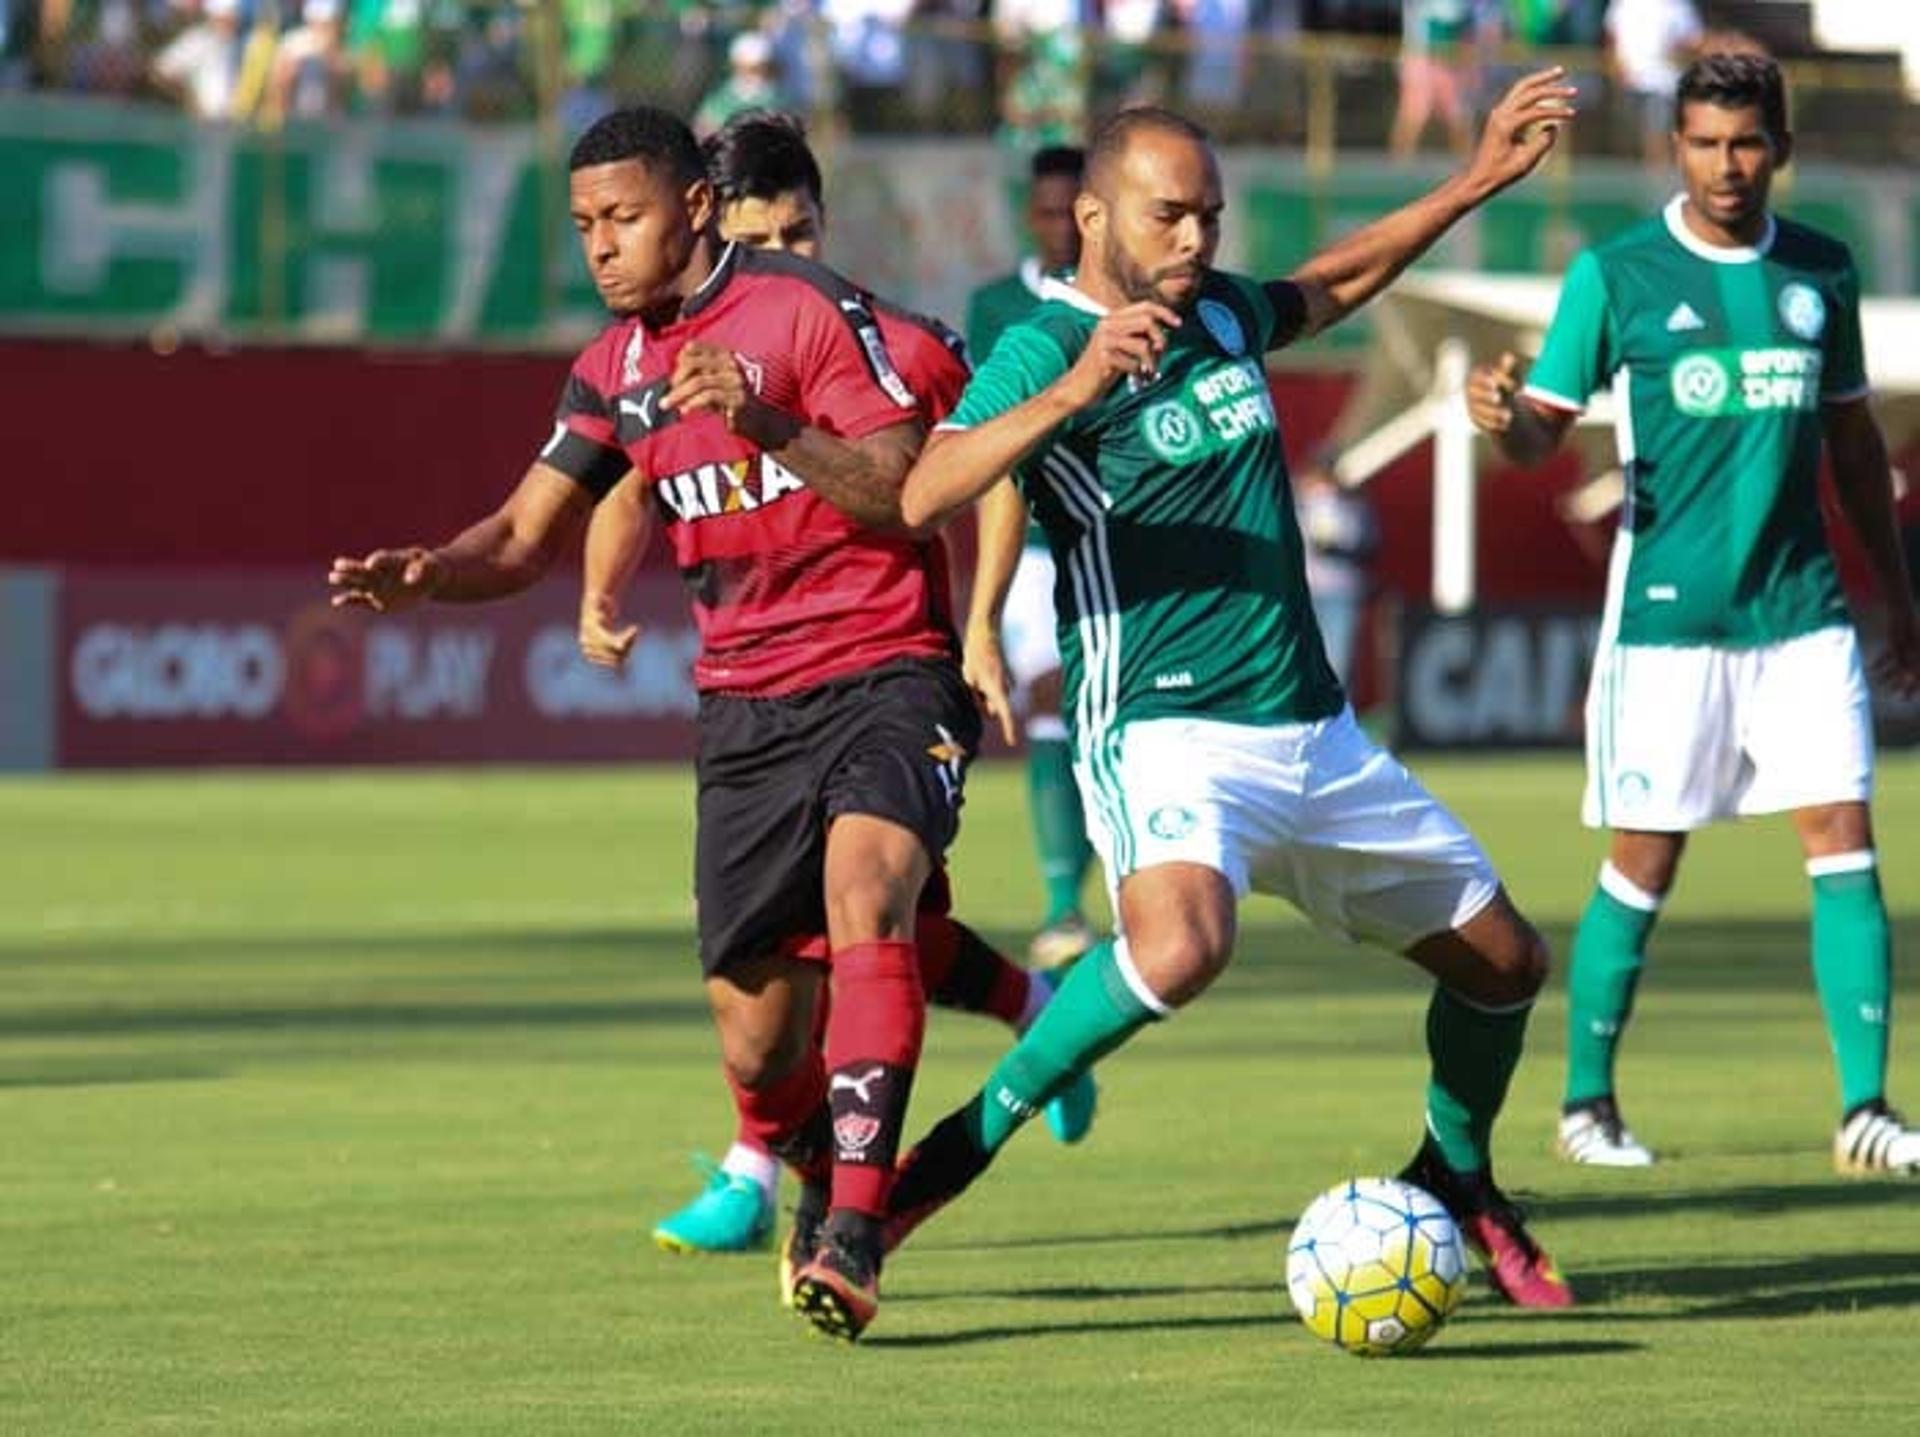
1029	638
1313	813
1679	737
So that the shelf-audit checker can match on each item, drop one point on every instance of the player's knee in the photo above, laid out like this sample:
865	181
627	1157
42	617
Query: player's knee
871	907
1180	963
1516	969
757	1058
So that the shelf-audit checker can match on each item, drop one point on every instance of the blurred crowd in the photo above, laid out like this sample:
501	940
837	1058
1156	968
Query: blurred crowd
1033	69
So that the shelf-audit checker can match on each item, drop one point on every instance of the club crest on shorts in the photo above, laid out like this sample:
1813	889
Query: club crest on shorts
1632	788
1172	821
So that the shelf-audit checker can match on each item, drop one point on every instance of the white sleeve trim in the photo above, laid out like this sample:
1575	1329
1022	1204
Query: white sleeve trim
1554	401
947	426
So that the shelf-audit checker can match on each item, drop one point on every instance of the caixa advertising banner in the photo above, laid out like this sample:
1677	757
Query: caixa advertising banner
257	668
1496	679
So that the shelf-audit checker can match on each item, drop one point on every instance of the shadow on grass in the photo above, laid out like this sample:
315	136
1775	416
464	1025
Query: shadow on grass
106	1075
1747	1200
98	1020
1788	1287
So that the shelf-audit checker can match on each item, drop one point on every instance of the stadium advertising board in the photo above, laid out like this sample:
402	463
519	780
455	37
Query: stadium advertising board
125	222
258	669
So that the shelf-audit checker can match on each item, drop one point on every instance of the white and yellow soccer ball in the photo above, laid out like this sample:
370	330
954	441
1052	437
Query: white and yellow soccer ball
1374	1265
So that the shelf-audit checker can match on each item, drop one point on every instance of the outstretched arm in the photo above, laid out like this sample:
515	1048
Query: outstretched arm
1863	480
616	540
501	555
1518	135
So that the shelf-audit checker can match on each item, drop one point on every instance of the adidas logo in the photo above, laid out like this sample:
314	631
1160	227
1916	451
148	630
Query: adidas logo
1684	317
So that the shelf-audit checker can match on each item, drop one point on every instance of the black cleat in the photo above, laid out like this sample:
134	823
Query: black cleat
803	1238
838	1291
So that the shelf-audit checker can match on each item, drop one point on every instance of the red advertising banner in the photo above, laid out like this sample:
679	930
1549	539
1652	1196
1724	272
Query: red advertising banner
159	668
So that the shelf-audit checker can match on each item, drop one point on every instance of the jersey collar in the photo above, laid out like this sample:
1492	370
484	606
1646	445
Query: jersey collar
1051	288
1716	254
710	287
1033	277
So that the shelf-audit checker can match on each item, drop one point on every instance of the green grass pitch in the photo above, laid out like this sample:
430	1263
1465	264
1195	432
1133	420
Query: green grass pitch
342	1102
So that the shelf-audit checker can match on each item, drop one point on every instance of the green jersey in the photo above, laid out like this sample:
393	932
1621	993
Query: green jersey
1719	361
1182	585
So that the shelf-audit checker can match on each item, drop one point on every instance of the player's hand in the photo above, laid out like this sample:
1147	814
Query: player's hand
386	579
604	641
1899	666
983	663
1490	392
708	379
1126	344
1522	128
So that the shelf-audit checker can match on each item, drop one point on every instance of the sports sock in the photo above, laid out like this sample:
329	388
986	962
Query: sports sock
1852	962
1059	825
1102	1003
960	969
788	1117
749	1158
874	1032
1473	1051
1609	950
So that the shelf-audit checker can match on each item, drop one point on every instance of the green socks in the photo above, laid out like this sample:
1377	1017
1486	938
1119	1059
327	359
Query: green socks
1059	826
1609	949
1852	958
1094	1012
1474	1052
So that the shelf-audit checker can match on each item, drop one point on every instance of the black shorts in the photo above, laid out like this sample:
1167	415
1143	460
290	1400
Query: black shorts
893	743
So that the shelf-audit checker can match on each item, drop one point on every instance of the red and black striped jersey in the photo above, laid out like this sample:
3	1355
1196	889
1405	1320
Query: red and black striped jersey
787	591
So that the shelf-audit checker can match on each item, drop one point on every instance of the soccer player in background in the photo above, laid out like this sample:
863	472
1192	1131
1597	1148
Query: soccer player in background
753	390
1010	655
1728	680
1216	751
770	197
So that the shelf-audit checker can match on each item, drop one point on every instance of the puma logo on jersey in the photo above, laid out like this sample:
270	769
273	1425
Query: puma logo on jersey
737	486
1684	318
859	1086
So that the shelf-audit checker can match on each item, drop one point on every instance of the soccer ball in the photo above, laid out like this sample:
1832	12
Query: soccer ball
1375	1265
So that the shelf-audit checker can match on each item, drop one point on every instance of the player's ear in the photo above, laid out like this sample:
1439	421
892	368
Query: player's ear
1089	213
702	205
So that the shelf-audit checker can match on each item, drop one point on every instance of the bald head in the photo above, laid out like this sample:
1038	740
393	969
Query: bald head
1113	140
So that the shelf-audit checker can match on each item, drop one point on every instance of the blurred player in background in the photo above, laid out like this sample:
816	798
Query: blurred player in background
1216	751
770	197
1011	656
754	392
1728	680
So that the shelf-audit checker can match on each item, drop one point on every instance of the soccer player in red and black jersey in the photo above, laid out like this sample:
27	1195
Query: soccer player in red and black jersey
770	198
750	387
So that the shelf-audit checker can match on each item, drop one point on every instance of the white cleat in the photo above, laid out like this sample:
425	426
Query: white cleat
1594	1134
1876	1140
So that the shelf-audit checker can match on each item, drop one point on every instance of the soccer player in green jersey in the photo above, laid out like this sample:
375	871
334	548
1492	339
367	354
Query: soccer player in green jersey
1215	750
1011	656
1728	681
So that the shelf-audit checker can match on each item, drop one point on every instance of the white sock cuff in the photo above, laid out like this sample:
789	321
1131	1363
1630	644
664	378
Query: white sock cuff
1123	960
1622	889
1858	861
756	1163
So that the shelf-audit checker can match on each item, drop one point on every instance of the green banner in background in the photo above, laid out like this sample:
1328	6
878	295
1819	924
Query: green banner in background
126	222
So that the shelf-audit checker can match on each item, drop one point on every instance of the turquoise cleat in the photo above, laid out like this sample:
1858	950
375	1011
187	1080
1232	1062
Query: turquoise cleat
1070	1115
731	1214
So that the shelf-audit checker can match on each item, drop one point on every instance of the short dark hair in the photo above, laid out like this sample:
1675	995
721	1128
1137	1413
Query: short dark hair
762	153
1059	162
1110	141
1733	81
657	138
